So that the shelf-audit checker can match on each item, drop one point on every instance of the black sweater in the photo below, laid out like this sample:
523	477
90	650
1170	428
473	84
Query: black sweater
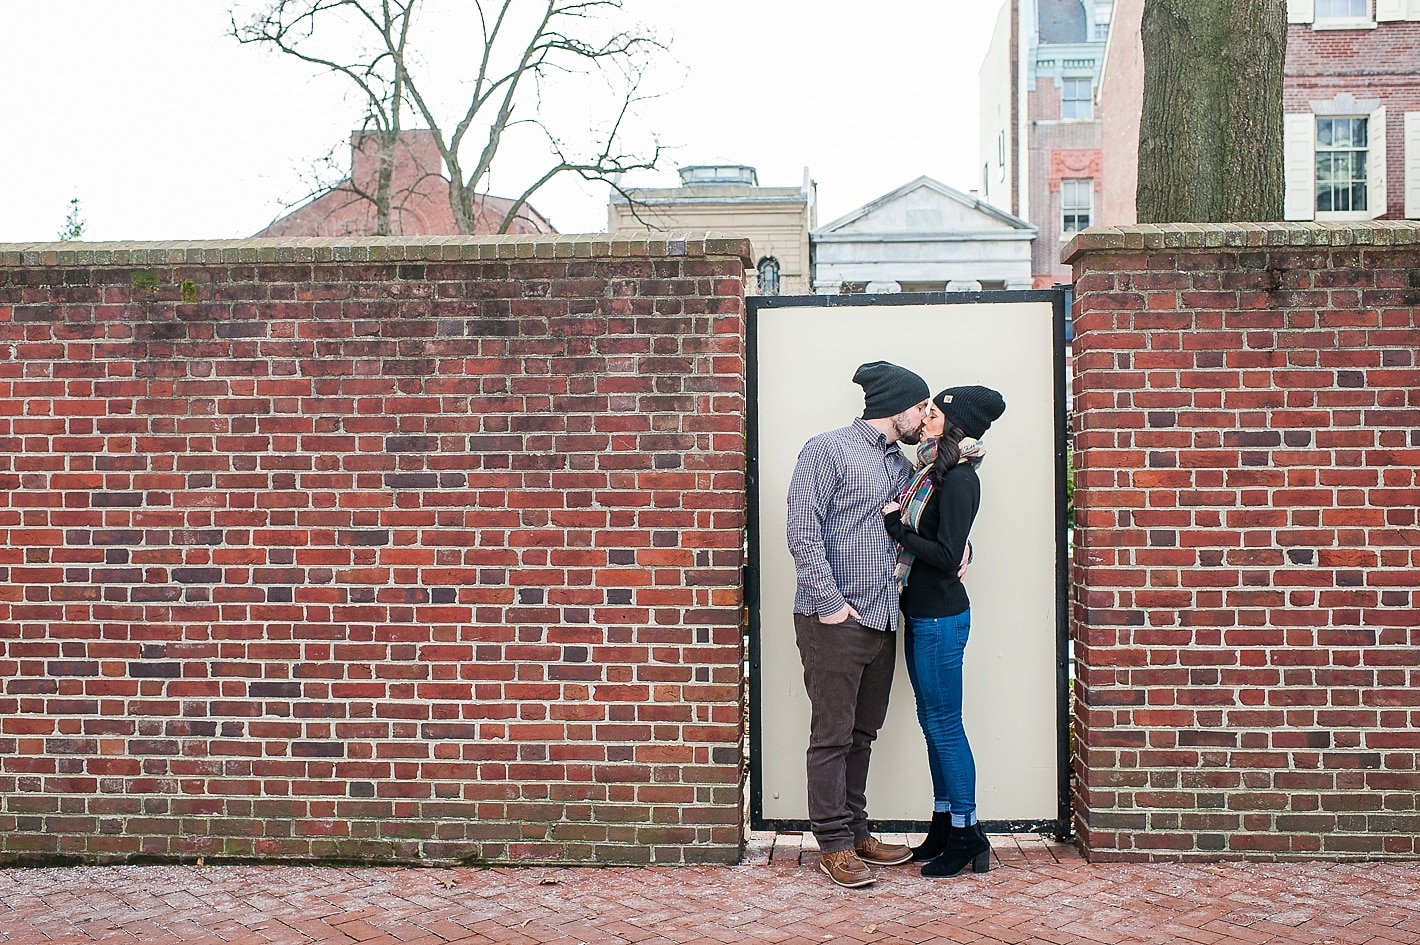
933	589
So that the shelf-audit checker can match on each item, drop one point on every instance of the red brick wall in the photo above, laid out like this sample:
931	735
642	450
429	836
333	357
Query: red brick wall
372	551
1246	608
1376	64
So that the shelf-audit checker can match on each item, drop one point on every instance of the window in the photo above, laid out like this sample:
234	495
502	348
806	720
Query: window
1075	99
768	276
1334	161
1101	31
1341	158
1343	9
1076	197
1001	156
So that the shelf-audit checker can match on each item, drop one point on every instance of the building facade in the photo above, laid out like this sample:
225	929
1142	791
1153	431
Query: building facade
1351	110
1121	103
923	237
727	198
1350	102
1040	135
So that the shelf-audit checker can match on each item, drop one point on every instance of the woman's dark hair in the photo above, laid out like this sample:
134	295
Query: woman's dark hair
948	453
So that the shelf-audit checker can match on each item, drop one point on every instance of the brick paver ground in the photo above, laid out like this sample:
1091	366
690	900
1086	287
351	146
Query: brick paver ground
1038	892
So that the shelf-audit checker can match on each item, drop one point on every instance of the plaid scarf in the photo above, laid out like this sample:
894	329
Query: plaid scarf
919	490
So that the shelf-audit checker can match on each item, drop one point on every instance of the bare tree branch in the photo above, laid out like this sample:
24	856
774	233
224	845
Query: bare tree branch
524	43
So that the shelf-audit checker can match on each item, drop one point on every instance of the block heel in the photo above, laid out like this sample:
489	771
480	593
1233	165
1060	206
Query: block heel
982	863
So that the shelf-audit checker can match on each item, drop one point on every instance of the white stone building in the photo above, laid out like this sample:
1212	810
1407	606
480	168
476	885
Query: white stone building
922	237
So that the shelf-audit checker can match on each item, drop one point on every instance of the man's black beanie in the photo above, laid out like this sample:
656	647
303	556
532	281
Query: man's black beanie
971	409
888	390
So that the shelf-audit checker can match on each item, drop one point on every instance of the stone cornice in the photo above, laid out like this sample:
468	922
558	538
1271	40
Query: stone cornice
1152	237
374	249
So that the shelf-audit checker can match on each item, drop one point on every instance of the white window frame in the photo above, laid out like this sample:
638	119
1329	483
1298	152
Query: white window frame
1089	188
1305	11
1299	161
1325	216
1379	11
1089	99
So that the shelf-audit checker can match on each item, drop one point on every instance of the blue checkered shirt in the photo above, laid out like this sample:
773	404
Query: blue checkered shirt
841	550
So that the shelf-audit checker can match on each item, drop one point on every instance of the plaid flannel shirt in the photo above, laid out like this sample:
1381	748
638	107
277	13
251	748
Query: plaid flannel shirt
841	550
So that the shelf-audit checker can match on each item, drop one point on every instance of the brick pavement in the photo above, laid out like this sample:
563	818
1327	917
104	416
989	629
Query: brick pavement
1039	892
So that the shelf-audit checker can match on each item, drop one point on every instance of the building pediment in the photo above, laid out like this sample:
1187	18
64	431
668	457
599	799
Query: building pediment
925	210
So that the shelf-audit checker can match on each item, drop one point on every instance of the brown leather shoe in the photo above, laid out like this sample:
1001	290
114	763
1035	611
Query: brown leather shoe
845	869
874	851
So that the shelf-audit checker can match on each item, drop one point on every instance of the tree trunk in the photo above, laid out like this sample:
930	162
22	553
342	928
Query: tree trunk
1210	137
460	199
389	140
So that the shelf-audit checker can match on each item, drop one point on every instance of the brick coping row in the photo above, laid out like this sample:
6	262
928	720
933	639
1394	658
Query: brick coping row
1157	236
376	249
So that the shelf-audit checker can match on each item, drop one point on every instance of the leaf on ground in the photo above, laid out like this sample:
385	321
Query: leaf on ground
202	861
547	881
524	923
448	882
870	929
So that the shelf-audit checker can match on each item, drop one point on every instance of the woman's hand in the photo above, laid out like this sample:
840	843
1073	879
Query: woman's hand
890	508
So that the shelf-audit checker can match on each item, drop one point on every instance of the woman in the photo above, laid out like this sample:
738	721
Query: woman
931	525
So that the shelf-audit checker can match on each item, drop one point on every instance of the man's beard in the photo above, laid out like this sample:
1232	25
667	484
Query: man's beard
909	435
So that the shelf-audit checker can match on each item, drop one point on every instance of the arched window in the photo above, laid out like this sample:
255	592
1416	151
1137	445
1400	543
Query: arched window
768	276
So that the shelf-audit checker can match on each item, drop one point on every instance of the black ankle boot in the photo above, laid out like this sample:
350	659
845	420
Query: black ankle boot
982	863
936	841
965	846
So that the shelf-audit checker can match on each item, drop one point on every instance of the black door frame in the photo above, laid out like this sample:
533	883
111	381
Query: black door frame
1058	297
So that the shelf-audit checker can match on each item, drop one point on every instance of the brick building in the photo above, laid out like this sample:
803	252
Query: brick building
1351	111
1120	101
419	202
1040	135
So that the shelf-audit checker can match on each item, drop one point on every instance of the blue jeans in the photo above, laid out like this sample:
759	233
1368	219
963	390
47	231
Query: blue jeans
935	647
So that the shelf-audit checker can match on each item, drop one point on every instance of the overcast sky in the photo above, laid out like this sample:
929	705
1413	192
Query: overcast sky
165	128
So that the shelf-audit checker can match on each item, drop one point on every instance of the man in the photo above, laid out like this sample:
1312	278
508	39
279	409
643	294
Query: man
846	609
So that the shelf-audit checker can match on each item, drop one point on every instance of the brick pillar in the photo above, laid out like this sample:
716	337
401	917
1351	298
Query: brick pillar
373	551
1246	577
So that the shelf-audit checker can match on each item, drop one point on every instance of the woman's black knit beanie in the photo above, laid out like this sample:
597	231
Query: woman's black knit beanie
971	408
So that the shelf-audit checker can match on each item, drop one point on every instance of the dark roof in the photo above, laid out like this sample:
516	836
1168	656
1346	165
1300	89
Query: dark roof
1062	21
